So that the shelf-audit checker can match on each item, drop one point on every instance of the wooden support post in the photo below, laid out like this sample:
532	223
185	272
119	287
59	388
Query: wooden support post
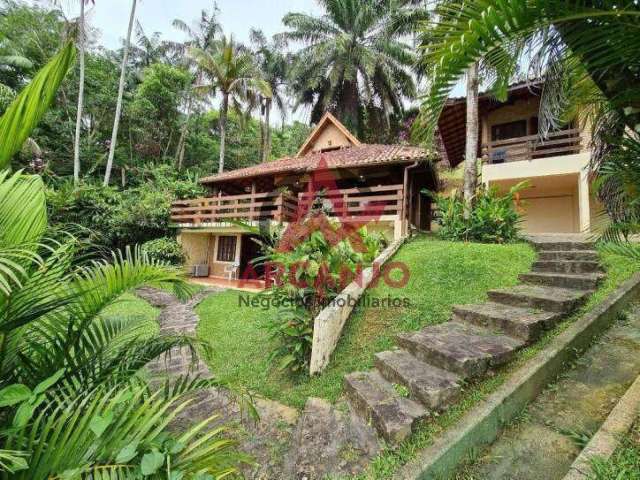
279	208
253	199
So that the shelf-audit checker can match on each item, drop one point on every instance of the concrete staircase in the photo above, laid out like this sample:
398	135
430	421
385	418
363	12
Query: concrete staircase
428	369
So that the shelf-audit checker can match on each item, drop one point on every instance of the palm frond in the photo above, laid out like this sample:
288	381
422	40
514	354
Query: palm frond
23	214
108	432
27	109
468	31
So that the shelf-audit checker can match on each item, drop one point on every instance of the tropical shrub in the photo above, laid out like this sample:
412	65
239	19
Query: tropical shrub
165	249
73	402
314	260
115	218
494	218
24	113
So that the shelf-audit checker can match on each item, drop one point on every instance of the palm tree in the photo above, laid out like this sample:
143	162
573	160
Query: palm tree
70	391
231	70
82	45
572	43
13	61
471	142
30	105
274	67
81	50
148	49
353	58
201	35
10	57
123	71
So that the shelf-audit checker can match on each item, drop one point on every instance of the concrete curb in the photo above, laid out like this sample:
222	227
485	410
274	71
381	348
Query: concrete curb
328	324
607	439
482	425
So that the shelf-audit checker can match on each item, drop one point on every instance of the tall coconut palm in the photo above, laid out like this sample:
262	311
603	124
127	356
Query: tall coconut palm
82	46
148	49
471	145
354	57
81	50
201	35
232	71
274	66
123	72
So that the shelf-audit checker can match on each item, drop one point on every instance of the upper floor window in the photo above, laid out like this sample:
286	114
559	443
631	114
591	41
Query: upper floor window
505	131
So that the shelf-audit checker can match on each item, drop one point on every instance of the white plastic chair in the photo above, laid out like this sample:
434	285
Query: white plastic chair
232	270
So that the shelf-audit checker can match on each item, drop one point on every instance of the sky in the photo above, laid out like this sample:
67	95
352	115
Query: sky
237	17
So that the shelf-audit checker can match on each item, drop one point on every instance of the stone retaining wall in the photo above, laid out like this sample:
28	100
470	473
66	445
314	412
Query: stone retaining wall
327	326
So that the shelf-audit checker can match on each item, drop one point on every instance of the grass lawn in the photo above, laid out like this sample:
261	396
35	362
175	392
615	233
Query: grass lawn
625	462
441	274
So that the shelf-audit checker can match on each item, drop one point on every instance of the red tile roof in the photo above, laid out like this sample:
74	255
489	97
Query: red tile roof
356	156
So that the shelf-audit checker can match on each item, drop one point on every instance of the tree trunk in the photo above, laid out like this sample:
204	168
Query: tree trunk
350	107
263	133
123	71
185	128
471	149
267	130
223	129
166	149
183	138
76	143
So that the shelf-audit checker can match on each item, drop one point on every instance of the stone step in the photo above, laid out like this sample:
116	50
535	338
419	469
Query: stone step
588	255
524	323
462	348
377	402
564	245
323	433
577	281
432	386
567	266
552	299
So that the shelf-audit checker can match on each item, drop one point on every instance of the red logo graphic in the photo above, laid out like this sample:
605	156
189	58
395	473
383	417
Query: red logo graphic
318	208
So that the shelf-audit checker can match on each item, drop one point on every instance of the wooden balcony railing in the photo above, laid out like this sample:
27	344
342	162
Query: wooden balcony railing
276	206
561	142
365	203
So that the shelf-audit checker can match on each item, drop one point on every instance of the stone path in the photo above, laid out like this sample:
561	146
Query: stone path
428	369
556	426
265	440
176	317
323	440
